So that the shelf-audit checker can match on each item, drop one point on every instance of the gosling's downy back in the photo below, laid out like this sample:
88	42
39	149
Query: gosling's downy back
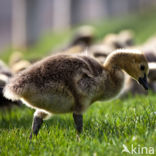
57	69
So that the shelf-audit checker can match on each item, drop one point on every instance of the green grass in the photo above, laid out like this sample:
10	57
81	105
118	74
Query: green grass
107	126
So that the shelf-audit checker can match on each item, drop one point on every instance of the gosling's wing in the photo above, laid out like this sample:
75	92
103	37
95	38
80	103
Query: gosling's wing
95	67
59	69
87	81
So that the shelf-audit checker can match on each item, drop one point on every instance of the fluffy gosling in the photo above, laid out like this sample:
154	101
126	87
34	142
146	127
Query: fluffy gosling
71	83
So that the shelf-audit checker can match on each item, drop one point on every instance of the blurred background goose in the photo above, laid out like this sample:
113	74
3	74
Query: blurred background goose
111	42
17	63
81	40
5	75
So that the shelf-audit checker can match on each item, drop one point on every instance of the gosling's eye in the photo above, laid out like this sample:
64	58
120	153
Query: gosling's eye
142	67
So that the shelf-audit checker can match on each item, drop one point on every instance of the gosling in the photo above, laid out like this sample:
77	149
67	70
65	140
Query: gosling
71	83
5	75
81	40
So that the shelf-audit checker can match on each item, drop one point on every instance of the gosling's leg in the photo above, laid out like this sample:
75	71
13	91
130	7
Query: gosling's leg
78	119
37	122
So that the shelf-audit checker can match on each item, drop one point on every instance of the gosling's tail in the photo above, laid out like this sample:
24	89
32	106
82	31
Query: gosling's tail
10	92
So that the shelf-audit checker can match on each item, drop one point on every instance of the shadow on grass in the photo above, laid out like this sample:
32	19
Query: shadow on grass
15	123
58	121
112	129
95	129
11	122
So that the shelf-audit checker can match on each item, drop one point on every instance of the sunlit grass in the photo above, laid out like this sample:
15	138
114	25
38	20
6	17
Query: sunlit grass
107	126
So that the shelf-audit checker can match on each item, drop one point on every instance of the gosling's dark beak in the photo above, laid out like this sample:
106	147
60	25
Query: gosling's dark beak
143	82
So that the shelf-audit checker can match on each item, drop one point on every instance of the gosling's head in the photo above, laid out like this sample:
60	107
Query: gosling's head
131	61
136	65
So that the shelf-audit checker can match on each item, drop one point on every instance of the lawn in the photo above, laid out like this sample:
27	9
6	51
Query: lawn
107	126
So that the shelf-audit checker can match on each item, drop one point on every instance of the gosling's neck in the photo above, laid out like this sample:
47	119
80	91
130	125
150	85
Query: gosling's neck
120	59
115	61
114	66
